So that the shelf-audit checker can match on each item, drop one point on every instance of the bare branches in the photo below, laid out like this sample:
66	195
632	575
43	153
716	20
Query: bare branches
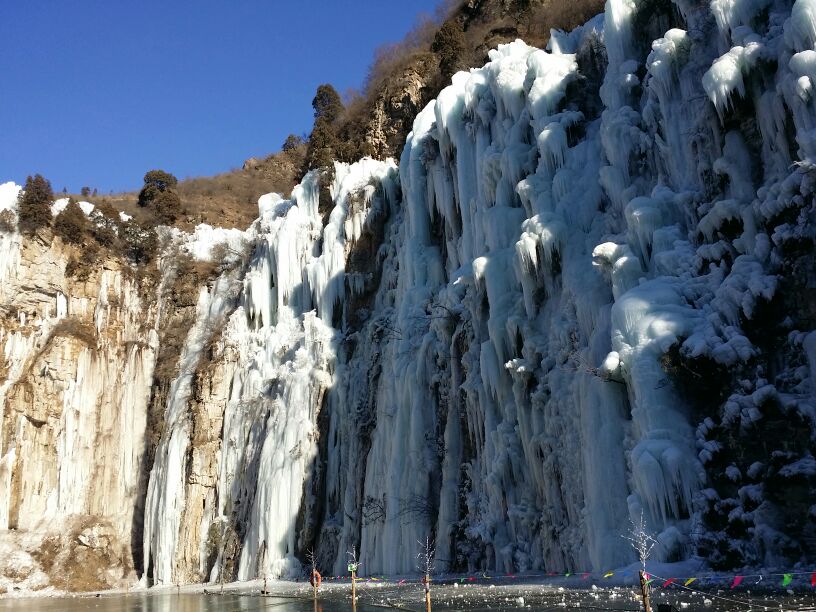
425	556
416	507
640	540
374	510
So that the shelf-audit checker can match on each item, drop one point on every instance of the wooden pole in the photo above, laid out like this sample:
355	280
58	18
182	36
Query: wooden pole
644	591
427	593
354	586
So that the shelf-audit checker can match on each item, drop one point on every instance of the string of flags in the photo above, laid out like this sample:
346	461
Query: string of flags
784	579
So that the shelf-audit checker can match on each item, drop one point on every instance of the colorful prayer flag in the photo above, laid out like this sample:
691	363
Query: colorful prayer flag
737	581
689	581
786	579
668	582
608	574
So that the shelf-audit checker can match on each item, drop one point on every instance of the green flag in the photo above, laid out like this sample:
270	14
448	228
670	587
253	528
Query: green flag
786	579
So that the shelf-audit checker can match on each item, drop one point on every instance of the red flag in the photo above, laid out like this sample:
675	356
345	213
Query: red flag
585	576
737	581
813	579
668	582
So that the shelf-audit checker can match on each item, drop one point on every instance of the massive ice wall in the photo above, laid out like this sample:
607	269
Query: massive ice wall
585	233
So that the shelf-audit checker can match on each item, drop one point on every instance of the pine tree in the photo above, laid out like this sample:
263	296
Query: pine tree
160	195
322	145
327	104
156	182
34	205
167	206
71	224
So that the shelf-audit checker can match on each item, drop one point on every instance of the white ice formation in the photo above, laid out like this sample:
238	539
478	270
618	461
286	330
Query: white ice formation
496	343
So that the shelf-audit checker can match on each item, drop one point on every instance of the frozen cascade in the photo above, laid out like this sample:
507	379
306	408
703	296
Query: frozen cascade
282	354
511	393
585	295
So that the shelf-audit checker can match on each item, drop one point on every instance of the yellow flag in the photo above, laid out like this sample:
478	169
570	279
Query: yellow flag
608	574
689	581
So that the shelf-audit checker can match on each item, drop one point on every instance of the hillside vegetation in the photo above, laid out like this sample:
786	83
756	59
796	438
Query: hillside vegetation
374	121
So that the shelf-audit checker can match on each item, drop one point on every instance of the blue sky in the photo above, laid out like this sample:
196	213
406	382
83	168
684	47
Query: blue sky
96	92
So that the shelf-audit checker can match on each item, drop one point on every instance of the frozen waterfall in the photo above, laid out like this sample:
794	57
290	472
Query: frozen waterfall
479	346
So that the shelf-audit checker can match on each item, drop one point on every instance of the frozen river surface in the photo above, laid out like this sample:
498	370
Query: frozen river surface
293	597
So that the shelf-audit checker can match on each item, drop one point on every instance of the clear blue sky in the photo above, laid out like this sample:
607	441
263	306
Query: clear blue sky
96	92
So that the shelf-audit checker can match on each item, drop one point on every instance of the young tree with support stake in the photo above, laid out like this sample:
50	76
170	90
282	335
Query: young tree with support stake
426	558
314	577
643	543
353	565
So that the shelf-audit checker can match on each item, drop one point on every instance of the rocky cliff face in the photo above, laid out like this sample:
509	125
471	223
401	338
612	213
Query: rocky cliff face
584	297
75	386
396	105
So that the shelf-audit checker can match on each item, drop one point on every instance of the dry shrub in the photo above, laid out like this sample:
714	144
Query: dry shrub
229	199
226	258
392	58
559	16
71	327
191	275
8	221
82	266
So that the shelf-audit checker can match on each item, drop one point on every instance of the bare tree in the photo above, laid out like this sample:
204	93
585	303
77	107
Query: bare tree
425	561
314	576
640	539
643	543
425	556
353	565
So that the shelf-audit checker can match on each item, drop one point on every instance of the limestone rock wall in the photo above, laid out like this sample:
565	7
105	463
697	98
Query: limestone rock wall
75	383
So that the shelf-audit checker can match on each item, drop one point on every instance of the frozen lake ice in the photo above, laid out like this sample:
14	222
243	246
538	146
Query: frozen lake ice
296	597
